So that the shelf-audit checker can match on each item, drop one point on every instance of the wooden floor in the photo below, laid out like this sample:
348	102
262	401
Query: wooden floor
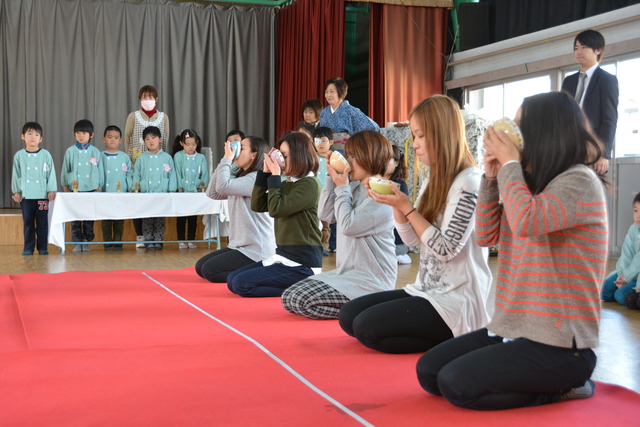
618	354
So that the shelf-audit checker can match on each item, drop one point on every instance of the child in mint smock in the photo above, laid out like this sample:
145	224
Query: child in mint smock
33	184
118	175
82	172
192	175
155	172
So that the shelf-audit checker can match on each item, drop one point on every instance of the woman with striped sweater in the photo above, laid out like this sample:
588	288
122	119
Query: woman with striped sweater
546	207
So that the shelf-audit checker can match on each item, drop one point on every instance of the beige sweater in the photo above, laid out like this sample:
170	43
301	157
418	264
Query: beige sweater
553	254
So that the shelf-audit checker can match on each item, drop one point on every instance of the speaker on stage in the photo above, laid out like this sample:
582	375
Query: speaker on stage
473	25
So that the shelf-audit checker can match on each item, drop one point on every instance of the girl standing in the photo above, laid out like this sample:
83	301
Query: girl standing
293	204
365	261
547	210
449	295
251	237
192	174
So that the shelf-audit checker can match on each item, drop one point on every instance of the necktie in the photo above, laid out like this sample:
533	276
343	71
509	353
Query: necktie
580	89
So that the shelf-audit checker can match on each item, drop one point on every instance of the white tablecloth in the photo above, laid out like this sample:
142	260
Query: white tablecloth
91	206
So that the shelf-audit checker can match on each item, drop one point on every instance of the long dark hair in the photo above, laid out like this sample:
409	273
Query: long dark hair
260	147
556	137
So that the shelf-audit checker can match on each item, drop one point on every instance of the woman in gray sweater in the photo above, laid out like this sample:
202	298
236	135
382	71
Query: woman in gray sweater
251	236
366	260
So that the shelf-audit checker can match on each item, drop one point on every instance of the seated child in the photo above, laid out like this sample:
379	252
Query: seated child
155	173
623	280
117	178
33	184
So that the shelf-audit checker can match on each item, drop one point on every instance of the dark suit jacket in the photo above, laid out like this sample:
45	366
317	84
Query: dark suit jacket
600	104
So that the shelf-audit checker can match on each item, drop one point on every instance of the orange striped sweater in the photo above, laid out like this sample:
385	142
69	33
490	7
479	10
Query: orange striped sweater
552	255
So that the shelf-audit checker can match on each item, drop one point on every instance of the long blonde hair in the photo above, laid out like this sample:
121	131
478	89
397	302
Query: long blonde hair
441	121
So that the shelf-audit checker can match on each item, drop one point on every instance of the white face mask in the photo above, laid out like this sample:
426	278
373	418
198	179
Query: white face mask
148	104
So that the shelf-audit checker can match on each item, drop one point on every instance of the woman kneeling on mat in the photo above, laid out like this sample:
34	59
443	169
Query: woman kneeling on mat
547	210
449	295
251	236
294	206
366	260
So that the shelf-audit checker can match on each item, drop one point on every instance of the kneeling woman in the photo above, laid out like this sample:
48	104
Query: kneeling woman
251	236
294	206
366	260
449	296
548	212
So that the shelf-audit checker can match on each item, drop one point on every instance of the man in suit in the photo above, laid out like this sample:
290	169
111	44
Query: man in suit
596	91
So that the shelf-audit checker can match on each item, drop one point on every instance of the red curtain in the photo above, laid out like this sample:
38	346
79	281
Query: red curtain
407	59
310	51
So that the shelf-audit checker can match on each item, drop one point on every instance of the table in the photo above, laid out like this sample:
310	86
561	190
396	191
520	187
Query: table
94	206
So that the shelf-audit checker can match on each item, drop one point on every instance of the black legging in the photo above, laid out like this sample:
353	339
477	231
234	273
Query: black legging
216	266
477	371
394	322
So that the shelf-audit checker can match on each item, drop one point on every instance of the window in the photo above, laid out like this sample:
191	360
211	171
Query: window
495	102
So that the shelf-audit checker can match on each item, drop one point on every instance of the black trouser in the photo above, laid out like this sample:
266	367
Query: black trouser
112	230
394	322
477	371
216	266
189	222
82	231
35	217
137	226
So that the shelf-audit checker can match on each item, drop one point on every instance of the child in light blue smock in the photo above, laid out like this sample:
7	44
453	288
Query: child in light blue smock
192	175
155	173
623	280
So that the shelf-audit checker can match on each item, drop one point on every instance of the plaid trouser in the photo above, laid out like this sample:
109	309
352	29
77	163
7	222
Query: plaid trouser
313	299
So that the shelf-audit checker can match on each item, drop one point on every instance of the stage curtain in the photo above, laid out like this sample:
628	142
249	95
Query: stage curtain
66	60
310	51
407	58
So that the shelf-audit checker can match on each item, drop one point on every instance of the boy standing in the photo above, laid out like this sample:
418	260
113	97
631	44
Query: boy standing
323	140
155	173
33	184
82	172
117	178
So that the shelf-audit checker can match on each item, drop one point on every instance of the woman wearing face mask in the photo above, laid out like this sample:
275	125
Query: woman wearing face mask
140	119
137	121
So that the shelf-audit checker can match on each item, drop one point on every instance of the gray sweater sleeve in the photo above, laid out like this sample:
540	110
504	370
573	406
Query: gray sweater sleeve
224	185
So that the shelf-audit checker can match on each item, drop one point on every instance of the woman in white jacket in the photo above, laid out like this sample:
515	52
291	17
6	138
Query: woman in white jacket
449	295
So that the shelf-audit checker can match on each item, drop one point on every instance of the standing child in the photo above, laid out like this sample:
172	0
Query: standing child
294	206
155	173
310	113
397	172
624	279
251	237
192	175
323	140
365	262
82	171
33	184
117	178
547	209
137	122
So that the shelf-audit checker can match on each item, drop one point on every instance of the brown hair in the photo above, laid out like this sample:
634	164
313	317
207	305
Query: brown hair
371	150
340	84
147	89
260	147
441	121
302	154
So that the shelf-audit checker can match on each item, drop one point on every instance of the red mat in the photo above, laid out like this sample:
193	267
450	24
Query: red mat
118	348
